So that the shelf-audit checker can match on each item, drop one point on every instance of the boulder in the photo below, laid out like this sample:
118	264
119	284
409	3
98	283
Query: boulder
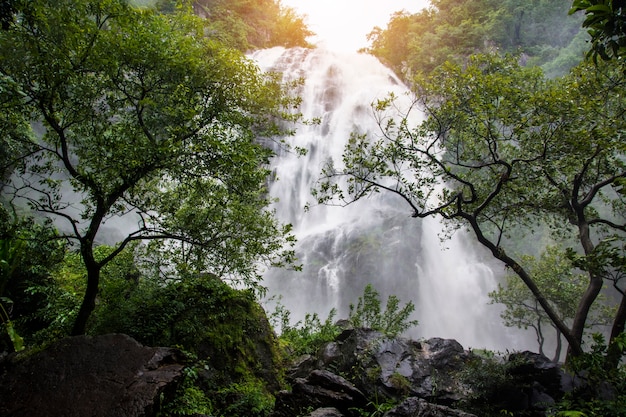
540	381
428	376
326	412
537	369
417	407
395	367
321	389
102	376
527	383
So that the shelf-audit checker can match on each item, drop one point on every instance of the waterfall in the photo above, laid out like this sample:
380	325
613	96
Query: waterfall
375	240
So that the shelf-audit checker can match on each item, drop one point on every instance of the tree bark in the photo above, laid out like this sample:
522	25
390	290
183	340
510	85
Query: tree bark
559	346
614	354
93	282
592	291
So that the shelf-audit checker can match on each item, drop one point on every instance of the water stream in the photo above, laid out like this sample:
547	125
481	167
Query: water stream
374	241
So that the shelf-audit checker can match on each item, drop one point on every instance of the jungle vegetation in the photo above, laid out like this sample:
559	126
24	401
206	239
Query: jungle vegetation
151	111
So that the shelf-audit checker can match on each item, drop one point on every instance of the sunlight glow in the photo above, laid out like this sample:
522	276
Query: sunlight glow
343	25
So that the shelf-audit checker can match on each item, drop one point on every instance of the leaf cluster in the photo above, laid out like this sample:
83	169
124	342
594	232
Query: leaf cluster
368	312
606	24
306	336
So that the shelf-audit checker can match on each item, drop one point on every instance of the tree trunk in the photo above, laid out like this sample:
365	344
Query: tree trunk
592	291
614	353
89	300
559	346
500	254
588	298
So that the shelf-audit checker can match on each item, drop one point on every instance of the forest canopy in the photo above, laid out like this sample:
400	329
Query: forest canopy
541	31
148	115
115	112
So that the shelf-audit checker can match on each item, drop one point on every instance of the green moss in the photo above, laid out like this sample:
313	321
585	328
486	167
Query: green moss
400	383
237	354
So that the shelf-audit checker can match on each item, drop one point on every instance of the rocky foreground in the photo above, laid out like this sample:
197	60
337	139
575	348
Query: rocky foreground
113	375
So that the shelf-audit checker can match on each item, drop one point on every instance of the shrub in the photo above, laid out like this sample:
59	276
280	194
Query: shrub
392	321
307	336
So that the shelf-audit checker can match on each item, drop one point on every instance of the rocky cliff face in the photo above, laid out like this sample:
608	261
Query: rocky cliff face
103	376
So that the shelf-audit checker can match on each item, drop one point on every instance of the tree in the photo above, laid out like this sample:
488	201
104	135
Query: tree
554	274
137	114
502	149
290	29
253	24
368	313
605	22
453	30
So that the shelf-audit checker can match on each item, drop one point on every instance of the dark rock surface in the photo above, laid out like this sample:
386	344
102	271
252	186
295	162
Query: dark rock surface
426	375
394	367
417	407
103	376
326	412
321	389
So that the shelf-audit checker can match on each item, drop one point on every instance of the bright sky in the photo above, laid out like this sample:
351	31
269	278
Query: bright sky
342	25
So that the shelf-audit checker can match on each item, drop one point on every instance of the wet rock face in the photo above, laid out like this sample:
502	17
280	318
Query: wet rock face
102	376
321	389
396	367
423	376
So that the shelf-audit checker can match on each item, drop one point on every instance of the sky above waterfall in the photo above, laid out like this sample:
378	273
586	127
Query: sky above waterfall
342	25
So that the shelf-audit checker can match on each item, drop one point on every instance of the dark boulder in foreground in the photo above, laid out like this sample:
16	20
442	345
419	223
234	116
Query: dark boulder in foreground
103	376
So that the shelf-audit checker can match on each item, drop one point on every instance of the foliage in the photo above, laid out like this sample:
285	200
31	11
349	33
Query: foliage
554	275
139	114
306	336
487	377
63	293
605	22
29	256
502	149
63	296
600	377
189	399
16	340
253	24
244	399
199	313
375	408
392	321
454	30
592	365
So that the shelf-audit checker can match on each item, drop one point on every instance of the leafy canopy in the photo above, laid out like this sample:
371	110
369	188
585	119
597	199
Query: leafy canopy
138	115
454	30
502	149
605	23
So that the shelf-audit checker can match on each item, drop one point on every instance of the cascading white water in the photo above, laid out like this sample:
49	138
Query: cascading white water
375	240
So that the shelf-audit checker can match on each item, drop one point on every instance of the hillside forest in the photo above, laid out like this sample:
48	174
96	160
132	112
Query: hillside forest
112	109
